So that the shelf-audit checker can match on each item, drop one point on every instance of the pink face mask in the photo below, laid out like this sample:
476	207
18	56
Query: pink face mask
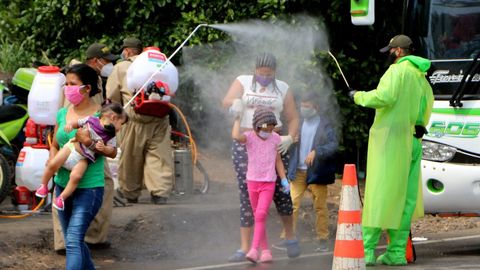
73	95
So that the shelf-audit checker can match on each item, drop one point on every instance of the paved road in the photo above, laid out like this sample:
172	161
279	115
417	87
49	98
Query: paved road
457	252
200	232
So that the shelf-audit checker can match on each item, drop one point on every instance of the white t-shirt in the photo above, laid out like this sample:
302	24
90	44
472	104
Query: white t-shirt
269	98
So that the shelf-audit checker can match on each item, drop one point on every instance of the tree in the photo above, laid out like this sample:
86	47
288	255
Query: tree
63	29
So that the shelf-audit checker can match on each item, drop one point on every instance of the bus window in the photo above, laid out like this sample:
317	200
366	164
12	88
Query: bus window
454	29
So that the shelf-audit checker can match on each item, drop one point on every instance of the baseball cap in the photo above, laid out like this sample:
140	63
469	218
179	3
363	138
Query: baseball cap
132	42
398	41
99	50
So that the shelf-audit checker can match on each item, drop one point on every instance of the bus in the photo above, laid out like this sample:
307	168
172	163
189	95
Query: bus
448	33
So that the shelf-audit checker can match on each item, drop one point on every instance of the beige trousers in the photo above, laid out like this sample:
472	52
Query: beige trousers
319	193
98	230
146	159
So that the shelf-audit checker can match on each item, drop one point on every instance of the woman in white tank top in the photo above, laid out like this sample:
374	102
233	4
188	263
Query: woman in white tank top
247	93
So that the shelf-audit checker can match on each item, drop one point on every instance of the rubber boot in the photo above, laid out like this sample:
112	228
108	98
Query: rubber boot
371	236
396	249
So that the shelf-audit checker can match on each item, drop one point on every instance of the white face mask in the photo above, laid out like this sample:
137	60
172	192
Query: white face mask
307	112
106	70
264	135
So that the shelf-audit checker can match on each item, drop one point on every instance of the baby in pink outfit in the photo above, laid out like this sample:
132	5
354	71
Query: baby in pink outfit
264	163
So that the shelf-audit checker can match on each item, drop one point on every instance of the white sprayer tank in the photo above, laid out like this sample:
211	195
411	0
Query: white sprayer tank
30	166
146	64
46	95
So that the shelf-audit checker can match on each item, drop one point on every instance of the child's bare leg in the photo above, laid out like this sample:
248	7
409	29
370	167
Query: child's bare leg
75	175
54	164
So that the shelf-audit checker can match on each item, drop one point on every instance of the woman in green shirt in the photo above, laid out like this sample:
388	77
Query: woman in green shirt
83	205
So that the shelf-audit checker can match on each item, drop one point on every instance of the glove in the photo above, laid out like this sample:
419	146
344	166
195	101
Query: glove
285	144
351	93
420	131
237	108
285	186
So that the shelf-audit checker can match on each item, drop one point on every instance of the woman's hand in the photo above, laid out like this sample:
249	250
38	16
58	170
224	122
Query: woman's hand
237	108
285	143
68	127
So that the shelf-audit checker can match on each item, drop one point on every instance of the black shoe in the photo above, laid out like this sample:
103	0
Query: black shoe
120	194
102	245
159	200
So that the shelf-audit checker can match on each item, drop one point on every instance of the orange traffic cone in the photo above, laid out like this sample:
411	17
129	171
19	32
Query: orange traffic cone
410	254
348	252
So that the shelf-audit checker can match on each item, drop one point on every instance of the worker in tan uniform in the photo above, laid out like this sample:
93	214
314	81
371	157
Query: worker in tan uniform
146	157
99	58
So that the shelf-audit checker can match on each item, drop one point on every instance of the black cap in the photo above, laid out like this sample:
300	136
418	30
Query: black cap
98	50
398	41
132	42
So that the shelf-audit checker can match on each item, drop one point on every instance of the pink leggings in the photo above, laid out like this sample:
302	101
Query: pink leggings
261	195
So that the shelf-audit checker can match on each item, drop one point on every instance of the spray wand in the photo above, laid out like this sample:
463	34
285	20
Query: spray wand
165	63
340	69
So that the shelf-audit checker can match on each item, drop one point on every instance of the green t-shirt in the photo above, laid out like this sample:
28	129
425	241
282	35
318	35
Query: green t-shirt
94	175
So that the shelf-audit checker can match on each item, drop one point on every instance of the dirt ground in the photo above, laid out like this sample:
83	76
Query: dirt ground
167	233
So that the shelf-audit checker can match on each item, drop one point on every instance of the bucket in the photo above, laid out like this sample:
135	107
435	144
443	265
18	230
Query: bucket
30	166
147	64
46	96
183	169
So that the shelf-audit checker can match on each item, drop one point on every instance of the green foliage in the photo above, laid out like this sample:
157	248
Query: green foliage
63	29
12	55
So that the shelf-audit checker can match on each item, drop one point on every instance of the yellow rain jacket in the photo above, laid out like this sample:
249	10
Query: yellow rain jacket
398	102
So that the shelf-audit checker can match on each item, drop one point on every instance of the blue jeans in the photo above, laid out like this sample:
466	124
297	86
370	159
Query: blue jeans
80	209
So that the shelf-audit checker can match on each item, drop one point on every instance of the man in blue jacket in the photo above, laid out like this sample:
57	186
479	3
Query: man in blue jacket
312	164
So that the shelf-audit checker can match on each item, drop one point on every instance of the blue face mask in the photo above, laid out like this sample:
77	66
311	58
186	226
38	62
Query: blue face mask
263	80
264	135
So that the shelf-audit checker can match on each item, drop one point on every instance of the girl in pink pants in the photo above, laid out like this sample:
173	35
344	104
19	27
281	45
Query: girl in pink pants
263	164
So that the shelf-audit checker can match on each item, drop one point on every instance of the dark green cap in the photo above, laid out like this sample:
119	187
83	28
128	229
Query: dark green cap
398	41
98	50
132	42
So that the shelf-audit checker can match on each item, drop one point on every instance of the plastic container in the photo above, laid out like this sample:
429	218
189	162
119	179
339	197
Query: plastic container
22	82
23	197
30	166
146	64
46	96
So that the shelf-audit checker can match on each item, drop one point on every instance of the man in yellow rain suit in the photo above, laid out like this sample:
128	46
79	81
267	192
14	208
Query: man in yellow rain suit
146	158
403	102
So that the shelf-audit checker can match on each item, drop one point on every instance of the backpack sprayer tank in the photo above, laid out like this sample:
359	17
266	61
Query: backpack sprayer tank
44	100
153	79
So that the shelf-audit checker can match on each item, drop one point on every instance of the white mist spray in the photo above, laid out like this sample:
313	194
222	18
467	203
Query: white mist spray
213	67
